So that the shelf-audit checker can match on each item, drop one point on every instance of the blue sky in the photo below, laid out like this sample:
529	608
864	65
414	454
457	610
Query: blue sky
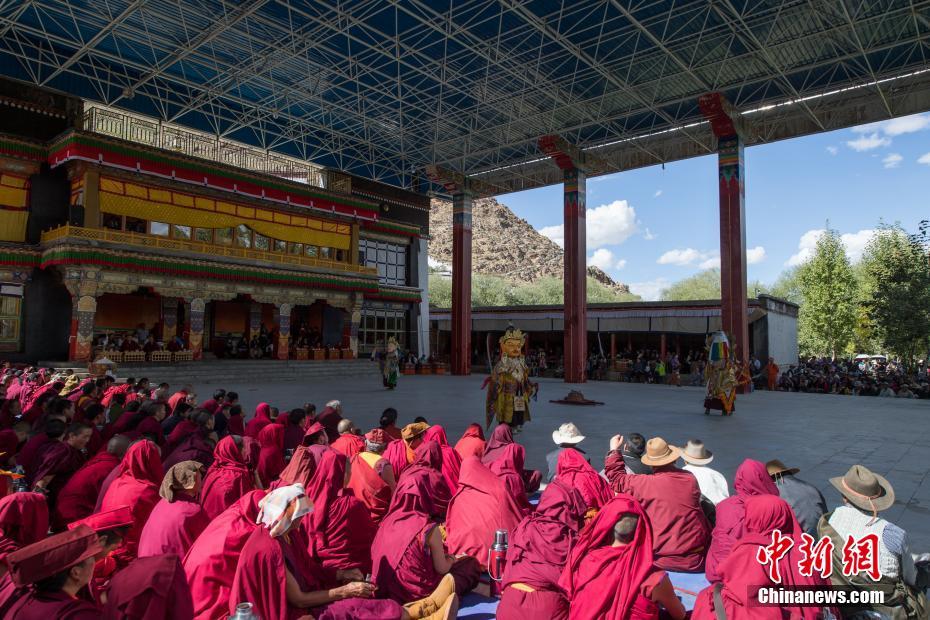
653	226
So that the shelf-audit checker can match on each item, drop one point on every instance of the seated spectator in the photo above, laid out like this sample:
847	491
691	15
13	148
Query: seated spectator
752	478
712	483
372	477
23	521
471	443
633	450
232	474
566	437
348	443
805	499
575	471
451	461
671	499
865	494
538	552
611	573
153	588
500	439
177	519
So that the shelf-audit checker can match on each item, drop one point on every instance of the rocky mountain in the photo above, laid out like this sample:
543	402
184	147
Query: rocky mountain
503	244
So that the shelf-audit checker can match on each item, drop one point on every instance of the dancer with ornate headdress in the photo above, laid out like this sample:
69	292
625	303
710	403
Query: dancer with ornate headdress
390	364
720	374
509	386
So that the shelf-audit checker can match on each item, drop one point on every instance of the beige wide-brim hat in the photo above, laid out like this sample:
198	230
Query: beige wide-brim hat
777	468
568	433
659	452
865	489
696	454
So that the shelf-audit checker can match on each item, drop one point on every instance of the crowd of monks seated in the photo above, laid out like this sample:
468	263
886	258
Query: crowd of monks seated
133	500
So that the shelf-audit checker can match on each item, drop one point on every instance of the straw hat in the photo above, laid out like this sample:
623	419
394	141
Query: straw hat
865	489
412	430
777	468
659	452
568	433
696	454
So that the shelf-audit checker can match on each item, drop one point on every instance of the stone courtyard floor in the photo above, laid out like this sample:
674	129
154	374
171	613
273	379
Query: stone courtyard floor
821	434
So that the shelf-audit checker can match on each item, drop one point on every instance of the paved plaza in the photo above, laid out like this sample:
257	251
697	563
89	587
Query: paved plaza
821	434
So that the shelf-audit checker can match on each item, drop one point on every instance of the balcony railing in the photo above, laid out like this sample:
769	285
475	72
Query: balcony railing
178	245
153	133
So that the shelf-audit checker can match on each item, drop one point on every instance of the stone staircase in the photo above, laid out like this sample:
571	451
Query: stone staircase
230	371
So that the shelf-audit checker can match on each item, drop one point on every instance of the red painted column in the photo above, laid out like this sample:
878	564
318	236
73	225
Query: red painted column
734	305
576	276
461	283
613	349
663	346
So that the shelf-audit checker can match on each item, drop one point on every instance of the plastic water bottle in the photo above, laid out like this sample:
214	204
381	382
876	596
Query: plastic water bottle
244	611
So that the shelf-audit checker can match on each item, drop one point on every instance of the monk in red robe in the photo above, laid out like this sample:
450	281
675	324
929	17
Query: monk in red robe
348	443
282	581
23	521
427	464
260	420
610	574
471	443
481	506
451	461
408	553
177	519
330	418
136	486
388	424
500	439
672	499
210	563
111	527
401	453
151	588
742	575
538	552
57	462
271	453
751	479
340	530
575	471
69	559
372	477
230	476
507	467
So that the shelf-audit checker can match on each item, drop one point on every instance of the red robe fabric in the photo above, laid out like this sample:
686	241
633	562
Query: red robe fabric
271	453
228	479
603	582
451	461
672	500
399	456
370	488
61	461
182	430
236	425
261	419
348	445
329	418
539	549
175	398
23	521
150	588
427	464
393	432
751	479
195	447
507	467
576	472
27	456
59	605
172	527
261	576
210	563
742	575
135	486
471	443
78	498
151	428
481	505
494	448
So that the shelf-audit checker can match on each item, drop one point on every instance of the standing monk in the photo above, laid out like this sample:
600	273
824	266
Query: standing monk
771	374
509	387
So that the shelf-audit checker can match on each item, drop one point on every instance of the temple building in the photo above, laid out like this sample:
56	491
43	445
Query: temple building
125	235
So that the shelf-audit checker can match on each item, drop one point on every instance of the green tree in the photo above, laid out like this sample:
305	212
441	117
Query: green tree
788	286
897	268
440	291
702	285
828	289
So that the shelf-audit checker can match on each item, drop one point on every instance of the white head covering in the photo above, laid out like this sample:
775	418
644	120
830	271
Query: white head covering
273	508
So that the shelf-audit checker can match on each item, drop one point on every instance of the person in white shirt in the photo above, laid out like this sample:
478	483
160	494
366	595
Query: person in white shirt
711	482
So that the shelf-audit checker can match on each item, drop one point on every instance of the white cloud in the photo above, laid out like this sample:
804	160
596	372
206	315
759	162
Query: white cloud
649	235
602	258
924	159
651	289
620	264
556	233
680	257
657	194
897	126
868	142
710	263
610	224
755	255
892	160
832	150
854	242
